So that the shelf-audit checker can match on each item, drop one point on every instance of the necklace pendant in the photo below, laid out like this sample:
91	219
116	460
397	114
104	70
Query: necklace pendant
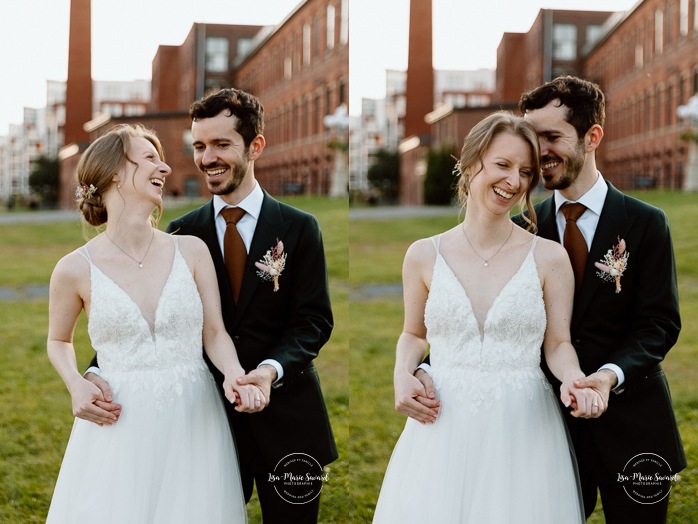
486	263
140	265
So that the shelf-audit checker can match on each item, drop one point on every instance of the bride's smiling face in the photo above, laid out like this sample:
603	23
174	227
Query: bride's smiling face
144	170
503	176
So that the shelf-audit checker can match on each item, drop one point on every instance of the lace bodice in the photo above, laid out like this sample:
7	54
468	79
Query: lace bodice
509	348
123	339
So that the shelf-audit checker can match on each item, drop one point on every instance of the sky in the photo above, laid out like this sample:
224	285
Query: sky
126	35
466	35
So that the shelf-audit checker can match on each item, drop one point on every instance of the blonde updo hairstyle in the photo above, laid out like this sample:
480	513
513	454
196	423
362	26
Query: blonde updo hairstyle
101	161
479	141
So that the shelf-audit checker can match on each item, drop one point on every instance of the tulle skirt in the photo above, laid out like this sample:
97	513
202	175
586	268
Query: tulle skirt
171	462
509	462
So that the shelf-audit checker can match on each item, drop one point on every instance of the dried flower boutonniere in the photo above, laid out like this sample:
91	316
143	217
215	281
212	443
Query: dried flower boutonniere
613	264
272	264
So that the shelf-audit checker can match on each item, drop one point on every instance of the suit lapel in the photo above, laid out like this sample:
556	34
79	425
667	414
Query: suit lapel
614	223
547	226
270	227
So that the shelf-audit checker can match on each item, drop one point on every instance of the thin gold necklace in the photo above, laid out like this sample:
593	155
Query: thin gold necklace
139	262
486	260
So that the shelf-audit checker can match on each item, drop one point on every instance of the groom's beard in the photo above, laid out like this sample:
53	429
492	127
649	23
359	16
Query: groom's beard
238	171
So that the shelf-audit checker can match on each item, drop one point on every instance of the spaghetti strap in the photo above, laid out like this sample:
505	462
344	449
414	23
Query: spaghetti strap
533	242
85	254
436	240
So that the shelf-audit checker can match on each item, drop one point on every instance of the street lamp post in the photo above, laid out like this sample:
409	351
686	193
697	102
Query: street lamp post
339	122
689	114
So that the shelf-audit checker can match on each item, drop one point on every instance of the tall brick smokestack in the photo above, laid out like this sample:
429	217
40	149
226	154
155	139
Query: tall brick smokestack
419	91
78	96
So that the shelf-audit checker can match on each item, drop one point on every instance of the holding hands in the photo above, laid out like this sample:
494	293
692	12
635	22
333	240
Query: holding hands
415	396
251	392
588	396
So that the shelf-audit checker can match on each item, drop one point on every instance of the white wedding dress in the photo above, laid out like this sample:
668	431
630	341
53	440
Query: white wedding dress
499	451
170	458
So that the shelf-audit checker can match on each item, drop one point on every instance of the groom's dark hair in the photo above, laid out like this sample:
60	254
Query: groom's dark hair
584	100
246	108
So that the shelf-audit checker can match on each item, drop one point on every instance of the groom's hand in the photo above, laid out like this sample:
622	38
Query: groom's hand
101	410
262	377
603	381
415	396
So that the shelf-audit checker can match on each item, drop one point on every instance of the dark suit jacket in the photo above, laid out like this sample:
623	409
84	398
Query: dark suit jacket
289	326
633	329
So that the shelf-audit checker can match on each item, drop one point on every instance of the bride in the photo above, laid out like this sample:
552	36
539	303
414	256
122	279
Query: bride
151	300
483	297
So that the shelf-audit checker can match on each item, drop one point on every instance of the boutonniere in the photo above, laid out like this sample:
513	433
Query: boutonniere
272	264
613	264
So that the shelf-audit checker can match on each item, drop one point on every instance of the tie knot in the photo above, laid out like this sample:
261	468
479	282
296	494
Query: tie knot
232	214
573	211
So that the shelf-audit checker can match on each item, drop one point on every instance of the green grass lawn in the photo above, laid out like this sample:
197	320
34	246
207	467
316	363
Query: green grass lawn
377	248
35	417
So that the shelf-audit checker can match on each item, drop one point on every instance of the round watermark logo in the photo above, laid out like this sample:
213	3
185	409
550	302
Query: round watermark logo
647	478
298	478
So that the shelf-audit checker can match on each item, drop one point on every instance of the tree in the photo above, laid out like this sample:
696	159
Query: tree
384	174
45	179
440	182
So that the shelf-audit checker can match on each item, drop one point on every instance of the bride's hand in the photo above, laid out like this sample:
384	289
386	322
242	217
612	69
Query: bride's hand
586	402
88	403
248	398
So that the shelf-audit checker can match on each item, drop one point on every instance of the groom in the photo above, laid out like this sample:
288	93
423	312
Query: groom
277	330
278	325
622	327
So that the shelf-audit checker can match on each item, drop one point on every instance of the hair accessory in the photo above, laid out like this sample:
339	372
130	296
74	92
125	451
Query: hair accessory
85	191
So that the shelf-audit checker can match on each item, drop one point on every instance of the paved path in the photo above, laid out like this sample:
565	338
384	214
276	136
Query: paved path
39	217
391	212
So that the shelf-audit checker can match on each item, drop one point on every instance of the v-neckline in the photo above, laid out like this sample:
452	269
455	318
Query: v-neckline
151	328
481	327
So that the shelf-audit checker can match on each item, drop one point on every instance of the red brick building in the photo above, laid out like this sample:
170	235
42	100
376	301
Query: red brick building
300	72
646	62
553	46
647	65
298	69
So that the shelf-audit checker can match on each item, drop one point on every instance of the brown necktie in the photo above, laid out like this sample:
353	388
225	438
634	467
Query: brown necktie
235	254
574	242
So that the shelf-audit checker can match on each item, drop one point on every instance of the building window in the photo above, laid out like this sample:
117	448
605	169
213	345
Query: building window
216	54
187	147
593	33
658	32
288	67
564	42
244	45
344	22
342	92
306	44
638	56
191	187
683	17
330	27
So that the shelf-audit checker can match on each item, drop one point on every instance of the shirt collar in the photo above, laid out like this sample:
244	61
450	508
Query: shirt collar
592	199
252	203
